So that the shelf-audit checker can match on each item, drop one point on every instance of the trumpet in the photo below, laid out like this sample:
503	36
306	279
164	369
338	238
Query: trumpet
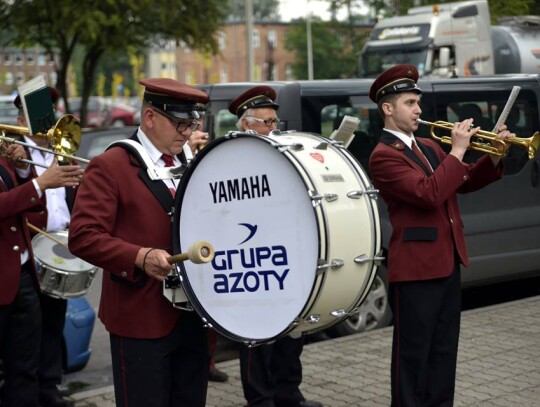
64	137
531	144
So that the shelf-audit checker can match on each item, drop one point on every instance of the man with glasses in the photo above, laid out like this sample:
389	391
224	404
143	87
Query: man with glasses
271	374
121	222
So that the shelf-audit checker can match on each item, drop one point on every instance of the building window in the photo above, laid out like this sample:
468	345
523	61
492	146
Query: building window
9	79
223	77
19	78
7	59
19	58
272	38
289	73
30	58
222	40
42	59
256	39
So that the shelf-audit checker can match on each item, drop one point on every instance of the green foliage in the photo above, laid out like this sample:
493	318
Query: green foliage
112	26
334	49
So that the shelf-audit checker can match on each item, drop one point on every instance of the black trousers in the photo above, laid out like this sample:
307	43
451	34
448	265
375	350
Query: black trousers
171	371
425	341
20	335
53	311
271	374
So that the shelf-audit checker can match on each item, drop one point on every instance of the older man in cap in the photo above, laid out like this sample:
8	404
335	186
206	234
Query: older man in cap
121	222
271	374
419	182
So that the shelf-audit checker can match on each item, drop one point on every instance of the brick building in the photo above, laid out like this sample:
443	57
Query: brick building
271	60
20	65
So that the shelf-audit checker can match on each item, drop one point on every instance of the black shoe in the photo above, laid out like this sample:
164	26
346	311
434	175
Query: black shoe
217	375
54	401
310	403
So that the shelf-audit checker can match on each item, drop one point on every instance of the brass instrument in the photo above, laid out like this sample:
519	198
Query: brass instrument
531	144
65	138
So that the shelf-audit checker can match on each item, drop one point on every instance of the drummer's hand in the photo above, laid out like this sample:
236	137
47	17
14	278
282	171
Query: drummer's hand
197	140
15	153
154	263
60	176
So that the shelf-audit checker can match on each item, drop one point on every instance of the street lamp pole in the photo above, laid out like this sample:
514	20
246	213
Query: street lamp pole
309	46
249	39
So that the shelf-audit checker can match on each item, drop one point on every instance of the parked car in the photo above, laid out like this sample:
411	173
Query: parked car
8	111
95	141
101	112
502	221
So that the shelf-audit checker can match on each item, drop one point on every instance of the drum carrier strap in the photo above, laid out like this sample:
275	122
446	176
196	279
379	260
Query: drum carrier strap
151	175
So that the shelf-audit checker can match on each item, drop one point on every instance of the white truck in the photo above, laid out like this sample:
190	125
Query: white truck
453	39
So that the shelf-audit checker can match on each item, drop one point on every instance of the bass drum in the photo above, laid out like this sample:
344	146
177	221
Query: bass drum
60	273
294	222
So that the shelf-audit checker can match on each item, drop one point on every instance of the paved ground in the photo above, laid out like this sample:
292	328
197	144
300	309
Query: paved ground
498	365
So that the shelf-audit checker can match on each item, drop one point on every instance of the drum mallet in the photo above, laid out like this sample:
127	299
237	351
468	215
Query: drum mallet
199	252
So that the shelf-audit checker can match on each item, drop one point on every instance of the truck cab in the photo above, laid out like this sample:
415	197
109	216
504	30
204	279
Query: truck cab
441	40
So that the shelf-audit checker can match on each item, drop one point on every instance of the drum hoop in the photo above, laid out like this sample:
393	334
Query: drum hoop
321	218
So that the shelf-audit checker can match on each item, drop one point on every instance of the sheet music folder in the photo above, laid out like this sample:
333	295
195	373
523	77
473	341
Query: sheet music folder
37	105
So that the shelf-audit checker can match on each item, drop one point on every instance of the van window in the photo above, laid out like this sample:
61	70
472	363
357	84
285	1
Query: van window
485	108
323	115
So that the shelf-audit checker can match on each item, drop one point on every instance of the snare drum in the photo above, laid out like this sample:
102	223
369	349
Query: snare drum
60	273
294	222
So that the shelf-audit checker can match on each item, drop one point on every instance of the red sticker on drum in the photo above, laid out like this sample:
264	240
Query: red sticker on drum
318	156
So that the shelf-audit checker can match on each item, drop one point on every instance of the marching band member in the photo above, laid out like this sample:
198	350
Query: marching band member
20	314
419	183
121	222
55	216
271	373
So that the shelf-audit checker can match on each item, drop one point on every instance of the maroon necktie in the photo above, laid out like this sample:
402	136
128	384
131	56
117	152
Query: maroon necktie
168	160
421	156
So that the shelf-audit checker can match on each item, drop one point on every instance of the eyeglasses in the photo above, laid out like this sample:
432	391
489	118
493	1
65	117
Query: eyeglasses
267	122
181	124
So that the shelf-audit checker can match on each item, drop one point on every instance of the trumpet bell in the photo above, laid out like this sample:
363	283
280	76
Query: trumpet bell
65	136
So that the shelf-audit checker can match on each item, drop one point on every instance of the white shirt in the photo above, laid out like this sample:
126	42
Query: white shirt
155	156
58	212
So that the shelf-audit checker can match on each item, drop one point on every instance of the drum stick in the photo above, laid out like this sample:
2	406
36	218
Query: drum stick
199	252
38	230
507	108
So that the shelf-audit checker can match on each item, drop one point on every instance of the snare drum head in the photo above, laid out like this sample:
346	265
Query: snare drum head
52	255
249	202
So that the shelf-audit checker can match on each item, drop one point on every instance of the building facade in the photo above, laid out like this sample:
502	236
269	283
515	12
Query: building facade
271	61
20	65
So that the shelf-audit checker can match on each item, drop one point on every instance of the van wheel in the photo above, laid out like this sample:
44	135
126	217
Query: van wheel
374	312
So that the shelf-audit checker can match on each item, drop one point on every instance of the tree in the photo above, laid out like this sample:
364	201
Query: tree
115	26
334	49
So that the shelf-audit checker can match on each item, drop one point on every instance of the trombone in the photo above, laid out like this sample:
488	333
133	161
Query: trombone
65	139
531	144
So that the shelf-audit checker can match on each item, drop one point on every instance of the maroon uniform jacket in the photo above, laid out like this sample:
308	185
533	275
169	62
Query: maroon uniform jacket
115	214
423	207
14	235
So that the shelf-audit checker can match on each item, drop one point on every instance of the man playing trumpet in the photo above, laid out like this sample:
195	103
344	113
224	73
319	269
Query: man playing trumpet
419	184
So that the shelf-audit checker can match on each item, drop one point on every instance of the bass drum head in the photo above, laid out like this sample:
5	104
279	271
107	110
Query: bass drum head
245	198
